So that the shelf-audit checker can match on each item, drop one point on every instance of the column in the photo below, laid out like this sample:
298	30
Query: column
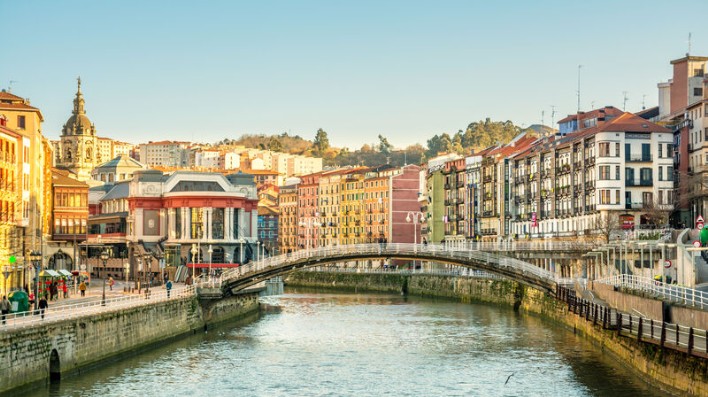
208	218
185	223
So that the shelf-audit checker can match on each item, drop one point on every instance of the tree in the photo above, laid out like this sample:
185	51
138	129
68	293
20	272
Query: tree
321	143
275	145
384	146
607	224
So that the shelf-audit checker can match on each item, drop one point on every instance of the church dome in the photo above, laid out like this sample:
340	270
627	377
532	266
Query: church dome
78	123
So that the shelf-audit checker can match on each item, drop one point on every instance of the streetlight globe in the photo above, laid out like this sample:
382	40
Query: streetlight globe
408	217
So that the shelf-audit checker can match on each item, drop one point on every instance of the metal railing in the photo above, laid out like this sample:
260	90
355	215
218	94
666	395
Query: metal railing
658	289
673	336
56	313
459	253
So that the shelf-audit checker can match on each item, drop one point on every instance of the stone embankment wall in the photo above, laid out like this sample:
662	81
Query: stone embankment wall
38	353
676	372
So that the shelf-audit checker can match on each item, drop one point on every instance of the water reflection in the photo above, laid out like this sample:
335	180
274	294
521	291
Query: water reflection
311	344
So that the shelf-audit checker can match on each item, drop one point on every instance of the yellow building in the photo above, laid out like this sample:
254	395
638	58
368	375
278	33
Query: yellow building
351	209
29	188
329	202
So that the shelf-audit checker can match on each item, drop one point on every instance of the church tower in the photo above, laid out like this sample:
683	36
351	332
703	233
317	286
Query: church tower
78	150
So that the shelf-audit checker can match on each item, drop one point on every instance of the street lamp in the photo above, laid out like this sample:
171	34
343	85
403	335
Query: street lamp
418	217
148	265
36	259
104	258
210	251
258	249
139	260
194	254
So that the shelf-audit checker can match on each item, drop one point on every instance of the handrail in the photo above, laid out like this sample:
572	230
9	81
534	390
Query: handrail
439	250
92	307
683	295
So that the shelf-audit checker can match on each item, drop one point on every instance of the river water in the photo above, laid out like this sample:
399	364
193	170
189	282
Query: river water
325	344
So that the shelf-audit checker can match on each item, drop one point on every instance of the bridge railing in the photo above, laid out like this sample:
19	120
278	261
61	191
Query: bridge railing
439	250
94	306
663	291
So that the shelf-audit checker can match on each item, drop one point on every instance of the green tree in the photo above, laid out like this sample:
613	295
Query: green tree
321	143
275	145
384	146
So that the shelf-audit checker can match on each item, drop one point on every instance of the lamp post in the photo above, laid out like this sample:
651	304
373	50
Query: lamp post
258	249
148	265
194	254
210	251
139	260
126	271
104	258
417	217
240	252
36	259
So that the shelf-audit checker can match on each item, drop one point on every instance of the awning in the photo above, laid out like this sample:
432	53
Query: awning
65	272
49	273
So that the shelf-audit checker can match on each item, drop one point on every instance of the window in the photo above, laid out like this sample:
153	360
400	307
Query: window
661	150
698	91
661	173
617	172
604	172
21	122
617	196
217	223
604	149
617	149
604	197
647	198
645	175
629	175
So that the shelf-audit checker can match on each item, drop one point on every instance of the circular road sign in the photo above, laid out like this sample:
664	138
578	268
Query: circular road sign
697	244
699	225
667	264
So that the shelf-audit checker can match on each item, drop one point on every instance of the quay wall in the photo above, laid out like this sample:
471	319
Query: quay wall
673	371
40	353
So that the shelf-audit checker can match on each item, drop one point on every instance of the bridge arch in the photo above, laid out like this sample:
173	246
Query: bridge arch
493	262
54	366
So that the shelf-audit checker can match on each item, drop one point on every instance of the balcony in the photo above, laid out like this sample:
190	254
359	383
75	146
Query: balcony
641	182
590	185
638	158
460	201
590	161
563	169
447	186
460	184
487	178
488	232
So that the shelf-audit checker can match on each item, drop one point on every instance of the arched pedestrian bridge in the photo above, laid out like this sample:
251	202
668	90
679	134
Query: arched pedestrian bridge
492	261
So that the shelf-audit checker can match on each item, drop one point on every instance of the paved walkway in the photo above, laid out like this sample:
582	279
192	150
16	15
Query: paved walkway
76	305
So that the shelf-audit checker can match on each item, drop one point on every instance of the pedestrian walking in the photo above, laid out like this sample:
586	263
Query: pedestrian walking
43	305
4	308
65	290
110	283
168	285
82	288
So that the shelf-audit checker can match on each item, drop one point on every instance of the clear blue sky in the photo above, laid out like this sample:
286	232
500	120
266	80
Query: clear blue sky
203	71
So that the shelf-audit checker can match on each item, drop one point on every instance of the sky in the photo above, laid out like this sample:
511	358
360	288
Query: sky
205	71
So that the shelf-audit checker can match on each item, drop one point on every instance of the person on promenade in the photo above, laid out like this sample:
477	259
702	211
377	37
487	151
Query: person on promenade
4	307
82	288
65	290
43	305
110	283
168	285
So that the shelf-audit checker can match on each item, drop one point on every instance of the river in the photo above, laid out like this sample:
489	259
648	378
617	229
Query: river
331	344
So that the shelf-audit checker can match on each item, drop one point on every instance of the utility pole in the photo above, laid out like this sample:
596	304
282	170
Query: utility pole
624	102
579	67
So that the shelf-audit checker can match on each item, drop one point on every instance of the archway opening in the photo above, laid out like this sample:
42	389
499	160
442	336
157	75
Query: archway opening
54	367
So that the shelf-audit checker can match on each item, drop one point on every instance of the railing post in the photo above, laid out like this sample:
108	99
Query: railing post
619	323
662	340
677	335
651	324
690	340
630	324
639	331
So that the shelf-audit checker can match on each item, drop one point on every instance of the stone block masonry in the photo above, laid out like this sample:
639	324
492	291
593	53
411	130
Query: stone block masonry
35	354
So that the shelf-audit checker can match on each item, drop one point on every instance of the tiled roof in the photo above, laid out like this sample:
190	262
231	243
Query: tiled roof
6	96
595	113
61	178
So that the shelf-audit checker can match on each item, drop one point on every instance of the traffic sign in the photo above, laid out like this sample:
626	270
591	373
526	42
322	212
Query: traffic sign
700	222
699	226
667	264
697	244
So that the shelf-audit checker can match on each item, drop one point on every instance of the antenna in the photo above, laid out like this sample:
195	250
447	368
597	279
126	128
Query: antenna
553	114
592	105
624	103
579	67
689	43
9	87
644	96
543	113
